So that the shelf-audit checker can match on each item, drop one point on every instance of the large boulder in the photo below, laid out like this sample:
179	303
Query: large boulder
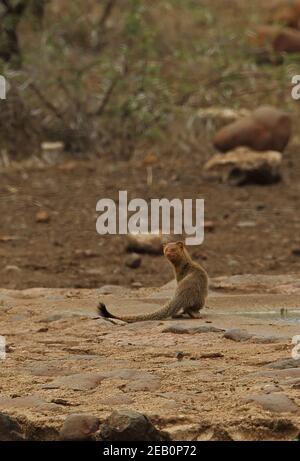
10	429
267	128
287	40
280	40
130	426
244	166
79	427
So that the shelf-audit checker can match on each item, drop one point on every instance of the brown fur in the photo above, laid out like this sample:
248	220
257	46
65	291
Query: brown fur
191	292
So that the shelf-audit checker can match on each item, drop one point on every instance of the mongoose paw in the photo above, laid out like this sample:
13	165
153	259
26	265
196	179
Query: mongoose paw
195	315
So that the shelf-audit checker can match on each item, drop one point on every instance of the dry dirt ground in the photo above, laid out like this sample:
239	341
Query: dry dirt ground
256	229
192	382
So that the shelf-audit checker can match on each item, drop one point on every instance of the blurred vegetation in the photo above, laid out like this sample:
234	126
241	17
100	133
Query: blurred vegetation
115	76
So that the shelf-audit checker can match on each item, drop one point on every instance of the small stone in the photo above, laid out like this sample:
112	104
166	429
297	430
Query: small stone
233	263
79	427
209	226
246	224
11	268
42	216
133	261
86	253
52	151
269	388
145	243
130	426
62	402
211	355
179	355
137	285
237	335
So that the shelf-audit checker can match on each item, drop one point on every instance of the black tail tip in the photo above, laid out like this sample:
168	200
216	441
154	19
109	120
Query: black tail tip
102	311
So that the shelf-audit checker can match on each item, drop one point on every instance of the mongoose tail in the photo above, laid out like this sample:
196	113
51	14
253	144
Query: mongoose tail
168	310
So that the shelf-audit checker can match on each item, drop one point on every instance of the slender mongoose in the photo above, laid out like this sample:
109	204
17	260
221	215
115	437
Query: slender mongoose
190	294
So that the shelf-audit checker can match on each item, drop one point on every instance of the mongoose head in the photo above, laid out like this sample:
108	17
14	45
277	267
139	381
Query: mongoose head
174	251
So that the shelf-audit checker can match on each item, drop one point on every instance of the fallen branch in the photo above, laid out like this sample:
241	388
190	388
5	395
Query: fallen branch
46	102
106	12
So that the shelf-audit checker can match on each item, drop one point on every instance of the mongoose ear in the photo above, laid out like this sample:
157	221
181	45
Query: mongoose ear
180	244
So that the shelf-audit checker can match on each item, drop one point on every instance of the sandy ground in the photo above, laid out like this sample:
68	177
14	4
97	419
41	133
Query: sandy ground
195	384
254	229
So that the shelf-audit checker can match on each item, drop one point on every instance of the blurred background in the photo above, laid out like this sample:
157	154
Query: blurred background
102	90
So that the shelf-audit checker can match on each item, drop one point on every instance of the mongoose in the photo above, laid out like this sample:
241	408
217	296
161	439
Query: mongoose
190	294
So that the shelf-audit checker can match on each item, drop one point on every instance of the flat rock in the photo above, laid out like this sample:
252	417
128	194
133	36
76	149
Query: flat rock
66	315
258	283
138	380
283	364
79	427
30	401
130	426
45	369
259	339
117	399
237	335
77	382
149	383
244	166
280	375
189	329
113	290
274	402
